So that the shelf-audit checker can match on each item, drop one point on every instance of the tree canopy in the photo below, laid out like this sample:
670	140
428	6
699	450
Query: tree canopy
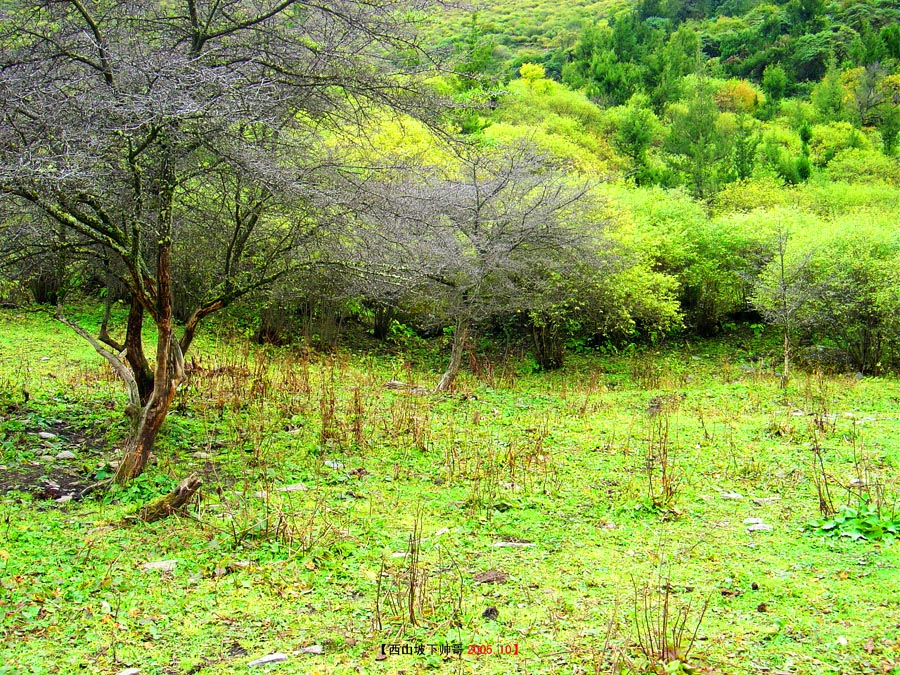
151	133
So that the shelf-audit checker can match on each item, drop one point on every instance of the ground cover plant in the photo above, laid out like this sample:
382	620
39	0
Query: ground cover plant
645	511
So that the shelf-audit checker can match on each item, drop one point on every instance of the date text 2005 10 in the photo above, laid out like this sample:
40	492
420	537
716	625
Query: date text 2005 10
480	650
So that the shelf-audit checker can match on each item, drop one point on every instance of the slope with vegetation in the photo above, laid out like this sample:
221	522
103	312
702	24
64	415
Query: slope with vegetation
559	512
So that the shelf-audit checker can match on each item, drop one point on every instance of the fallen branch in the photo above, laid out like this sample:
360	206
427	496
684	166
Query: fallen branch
85	491
167	505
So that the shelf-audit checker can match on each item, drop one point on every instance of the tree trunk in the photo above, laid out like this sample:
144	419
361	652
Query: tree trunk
460	334
134	350
149	423
108	301
169	358
787	358
382	317
548	346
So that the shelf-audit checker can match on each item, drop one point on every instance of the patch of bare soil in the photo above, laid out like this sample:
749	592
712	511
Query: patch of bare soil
44	481
64	463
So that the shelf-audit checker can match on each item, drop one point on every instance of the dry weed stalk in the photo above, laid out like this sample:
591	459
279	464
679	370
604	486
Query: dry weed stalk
415	595
659	459
661	625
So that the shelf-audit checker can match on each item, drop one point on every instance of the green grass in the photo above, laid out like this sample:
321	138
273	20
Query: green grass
556	459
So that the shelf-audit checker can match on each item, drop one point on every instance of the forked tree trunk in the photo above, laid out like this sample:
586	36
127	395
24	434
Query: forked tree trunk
169	369
152	416
147	417
460	335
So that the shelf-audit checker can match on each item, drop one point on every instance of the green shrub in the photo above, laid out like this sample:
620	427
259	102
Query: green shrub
854	165
865	522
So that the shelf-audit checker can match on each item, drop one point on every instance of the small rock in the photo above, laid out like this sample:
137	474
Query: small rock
512	544
760	527
64	499
46	458
269	658
46	435
66	454
491	577
753	521
162	565
312	649
762	501
129	671
762	608
201	455
330	463
732	495
491	614
295	487
235	650
754	586
228	568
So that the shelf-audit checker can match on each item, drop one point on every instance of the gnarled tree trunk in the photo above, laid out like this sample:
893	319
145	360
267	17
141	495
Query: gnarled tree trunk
169	358
151	418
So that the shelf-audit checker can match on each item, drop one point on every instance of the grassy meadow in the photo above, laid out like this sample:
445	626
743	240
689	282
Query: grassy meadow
560	516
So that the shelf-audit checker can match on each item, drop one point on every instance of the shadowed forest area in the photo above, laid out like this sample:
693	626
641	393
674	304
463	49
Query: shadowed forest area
399	337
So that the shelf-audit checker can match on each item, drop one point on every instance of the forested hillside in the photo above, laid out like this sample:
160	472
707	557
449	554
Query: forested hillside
732	136
740	165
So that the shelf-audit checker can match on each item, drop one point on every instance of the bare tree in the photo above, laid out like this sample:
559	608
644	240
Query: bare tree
156	132
471	238
783	291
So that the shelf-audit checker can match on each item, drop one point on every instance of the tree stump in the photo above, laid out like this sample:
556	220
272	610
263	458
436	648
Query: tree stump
165	506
